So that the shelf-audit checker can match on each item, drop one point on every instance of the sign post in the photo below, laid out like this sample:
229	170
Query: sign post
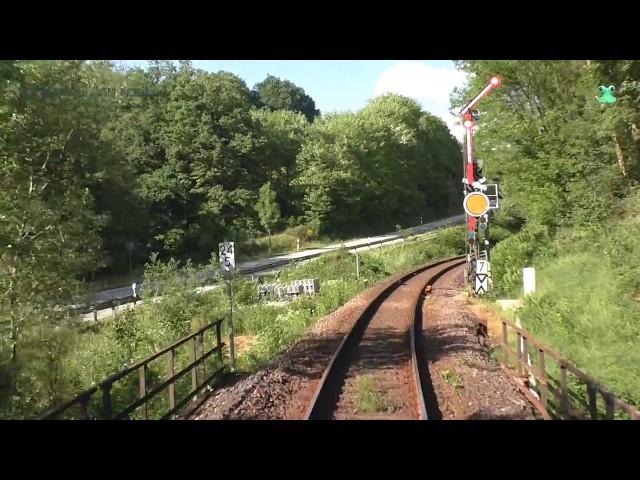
482	277
227	258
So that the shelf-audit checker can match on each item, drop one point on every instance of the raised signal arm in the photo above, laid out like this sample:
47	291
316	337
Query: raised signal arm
494	82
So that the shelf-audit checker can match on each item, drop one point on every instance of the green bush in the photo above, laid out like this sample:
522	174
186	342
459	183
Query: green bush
283	242
587	302
514	253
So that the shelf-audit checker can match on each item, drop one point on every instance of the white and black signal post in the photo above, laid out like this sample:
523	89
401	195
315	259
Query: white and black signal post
227	266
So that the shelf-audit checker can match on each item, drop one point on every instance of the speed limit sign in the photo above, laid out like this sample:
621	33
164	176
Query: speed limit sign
227	258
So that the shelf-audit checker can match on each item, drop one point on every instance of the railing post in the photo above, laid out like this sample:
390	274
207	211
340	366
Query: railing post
143	389
106	401
519	353
505	334
194	371
593	399
564	392
84	408
204	363
544	392
219	340
608	401
525	356
171	370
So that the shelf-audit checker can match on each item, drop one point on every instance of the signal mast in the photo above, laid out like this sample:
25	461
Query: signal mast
476	202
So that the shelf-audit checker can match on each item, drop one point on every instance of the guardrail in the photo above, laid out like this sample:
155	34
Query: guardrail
557	387
146	392
116	302
278	263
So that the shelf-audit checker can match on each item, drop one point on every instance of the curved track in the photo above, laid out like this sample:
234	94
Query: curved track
377	359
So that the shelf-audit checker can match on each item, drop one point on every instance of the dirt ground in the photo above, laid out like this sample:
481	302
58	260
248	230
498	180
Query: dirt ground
467	383
284	389
383	356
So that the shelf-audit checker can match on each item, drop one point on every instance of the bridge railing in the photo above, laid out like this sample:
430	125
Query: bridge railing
112	407
557	387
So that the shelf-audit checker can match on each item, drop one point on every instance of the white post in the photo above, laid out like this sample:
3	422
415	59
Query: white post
529	275
232	333
529	280
357	265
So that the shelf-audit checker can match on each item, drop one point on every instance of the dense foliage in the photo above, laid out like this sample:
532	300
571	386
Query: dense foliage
102	165
569	167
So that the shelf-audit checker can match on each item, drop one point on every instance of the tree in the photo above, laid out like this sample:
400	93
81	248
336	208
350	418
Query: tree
281	135
367	171
267	209
191	143
548	139
277	94
48	227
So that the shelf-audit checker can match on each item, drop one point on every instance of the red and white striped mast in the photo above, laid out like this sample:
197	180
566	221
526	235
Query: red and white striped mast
468	123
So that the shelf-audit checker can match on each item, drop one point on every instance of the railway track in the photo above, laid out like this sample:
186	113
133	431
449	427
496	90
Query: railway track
376	371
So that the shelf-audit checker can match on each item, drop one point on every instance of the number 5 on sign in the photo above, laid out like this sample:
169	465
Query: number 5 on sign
227	258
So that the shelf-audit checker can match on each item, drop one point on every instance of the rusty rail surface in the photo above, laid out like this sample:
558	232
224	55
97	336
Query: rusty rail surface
145	393
325	390
553	395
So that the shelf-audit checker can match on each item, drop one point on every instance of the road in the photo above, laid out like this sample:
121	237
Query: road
274	263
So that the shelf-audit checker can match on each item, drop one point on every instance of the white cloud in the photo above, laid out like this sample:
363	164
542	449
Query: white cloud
428	84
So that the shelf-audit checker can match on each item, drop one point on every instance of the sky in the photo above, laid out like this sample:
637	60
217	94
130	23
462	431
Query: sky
341	85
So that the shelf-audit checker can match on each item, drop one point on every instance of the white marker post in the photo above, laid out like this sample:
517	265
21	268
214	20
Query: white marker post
529	280
227	265
529	283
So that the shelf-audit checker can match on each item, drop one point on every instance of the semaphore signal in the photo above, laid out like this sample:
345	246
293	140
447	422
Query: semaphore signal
476	204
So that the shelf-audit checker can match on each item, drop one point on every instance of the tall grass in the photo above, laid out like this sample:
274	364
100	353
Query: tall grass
587	303
281	243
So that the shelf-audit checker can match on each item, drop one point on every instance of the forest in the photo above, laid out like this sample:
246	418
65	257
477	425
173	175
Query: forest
568	168
103	167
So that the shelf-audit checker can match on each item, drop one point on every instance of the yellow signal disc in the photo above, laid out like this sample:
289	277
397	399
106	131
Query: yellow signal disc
476	204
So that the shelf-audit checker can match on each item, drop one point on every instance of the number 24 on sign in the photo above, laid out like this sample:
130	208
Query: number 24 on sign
227	256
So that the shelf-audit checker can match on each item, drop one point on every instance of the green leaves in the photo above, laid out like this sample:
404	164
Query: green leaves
276	94
267	209
366	171
173	159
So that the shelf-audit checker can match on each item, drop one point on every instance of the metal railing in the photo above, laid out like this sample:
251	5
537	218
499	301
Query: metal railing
146	392
557	387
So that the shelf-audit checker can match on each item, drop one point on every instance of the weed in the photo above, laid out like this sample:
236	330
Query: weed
369	397
452	379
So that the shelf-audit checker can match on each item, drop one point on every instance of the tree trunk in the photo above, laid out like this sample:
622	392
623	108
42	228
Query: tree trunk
621	160
269	234
14	341
13	334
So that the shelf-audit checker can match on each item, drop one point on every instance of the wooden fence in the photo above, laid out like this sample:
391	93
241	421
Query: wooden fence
102	393
557	387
